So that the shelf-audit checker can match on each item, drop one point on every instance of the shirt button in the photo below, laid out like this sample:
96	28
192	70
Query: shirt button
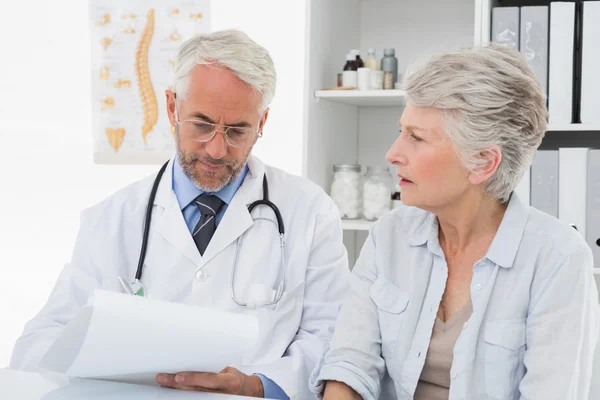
419	355
201	275
465	324
478	287
453	375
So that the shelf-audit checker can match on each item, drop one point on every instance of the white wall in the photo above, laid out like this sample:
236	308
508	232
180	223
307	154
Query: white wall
47	173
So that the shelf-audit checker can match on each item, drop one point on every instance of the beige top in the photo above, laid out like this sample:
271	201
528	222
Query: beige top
434	383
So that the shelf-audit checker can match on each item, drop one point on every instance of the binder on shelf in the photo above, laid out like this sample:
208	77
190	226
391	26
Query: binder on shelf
560	85
572	181
544	182
534	41
505	26
592	235
523	187
590	63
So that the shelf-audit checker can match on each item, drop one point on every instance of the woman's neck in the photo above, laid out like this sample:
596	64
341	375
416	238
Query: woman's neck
469	225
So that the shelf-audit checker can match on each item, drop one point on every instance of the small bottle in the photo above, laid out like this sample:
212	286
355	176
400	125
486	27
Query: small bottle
371	61
350	74
359	61
389	65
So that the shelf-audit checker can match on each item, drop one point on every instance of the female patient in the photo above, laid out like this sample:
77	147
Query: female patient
466	293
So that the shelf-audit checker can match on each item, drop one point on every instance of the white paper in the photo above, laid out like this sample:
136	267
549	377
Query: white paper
21	385
130	339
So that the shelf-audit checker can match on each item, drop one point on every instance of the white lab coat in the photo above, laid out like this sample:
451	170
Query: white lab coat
292	337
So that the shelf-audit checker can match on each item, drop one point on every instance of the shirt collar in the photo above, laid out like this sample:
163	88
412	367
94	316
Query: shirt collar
186	191
505	244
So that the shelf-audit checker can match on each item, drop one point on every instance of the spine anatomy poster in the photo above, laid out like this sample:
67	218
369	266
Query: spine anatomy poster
134	49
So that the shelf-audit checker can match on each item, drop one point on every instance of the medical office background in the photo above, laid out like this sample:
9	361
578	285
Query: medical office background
48	174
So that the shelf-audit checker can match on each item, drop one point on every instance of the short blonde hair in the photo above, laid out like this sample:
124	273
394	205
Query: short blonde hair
488	96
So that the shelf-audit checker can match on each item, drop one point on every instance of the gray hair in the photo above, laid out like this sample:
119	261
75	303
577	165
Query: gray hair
233	50
488	96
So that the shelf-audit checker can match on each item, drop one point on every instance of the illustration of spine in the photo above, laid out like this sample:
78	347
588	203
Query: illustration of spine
147	96
115	137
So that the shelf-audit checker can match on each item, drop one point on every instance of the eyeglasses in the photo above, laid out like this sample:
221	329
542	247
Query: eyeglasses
201	131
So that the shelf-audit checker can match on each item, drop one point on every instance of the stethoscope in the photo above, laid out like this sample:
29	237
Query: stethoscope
259	294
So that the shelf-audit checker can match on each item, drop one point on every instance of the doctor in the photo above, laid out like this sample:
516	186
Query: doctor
201	227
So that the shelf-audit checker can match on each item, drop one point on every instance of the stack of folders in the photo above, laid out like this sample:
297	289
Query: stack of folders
562	44
565	183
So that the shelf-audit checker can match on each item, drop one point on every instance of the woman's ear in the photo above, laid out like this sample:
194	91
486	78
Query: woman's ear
489	161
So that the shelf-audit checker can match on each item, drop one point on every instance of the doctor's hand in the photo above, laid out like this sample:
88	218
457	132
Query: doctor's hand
228	381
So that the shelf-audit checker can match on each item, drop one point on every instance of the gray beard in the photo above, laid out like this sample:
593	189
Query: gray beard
187	162
187	165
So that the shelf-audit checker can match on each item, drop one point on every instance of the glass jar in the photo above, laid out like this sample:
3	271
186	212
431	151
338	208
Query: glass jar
377	192
346	190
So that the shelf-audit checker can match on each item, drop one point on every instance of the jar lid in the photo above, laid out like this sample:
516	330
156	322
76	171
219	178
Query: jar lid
346	167
389	51
377	168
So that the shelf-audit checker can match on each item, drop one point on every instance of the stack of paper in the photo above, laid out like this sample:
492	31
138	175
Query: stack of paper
131	339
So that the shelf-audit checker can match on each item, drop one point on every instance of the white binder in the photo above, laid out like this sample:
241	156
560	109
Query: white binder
534	41
560	96
572	181
544	182
523	187
593	204
505	26
590	63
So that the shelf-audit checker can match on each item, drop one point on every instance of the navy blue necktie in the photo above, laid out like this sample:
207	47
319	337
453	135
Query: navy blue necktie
209	206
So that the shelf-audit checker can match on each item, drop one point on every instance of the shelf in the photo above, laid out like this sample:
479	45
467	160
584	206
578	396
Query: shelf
573	127
596	271
368	98
356	224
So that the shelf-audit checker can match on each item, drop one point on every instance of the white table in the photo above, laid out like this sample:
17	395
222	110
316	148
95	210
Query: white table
34	386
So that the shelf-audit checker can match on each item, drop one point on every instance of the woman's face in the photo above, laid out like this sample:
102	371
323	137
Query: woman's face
431	174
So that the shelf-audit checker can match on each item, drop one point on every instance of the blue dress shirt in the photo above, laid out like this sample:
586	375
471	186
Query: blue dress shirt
186	191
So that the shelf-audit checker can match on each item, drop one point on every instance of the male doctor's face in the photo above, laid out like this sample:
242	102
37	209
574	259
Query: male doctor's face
217	96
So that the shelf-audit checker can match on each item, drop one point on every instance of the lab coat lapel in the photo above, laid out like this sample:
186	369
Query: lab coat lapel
171	225
237	219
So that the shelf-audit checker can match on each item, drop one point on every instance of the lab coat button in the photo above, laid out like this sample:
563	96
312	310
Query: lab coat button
201	275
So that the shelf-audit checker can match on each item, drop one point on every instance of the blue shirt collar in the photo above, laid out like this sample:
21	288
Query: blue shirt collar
186	191
504	246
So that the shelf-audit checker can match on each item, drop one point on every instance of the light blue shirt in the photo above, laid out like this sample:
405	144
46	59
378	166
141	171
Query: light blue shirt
531	335
186	191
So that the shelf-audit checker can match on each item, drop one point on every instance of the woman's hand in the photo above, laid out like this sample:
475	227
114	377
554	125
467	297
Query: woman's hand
339	391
